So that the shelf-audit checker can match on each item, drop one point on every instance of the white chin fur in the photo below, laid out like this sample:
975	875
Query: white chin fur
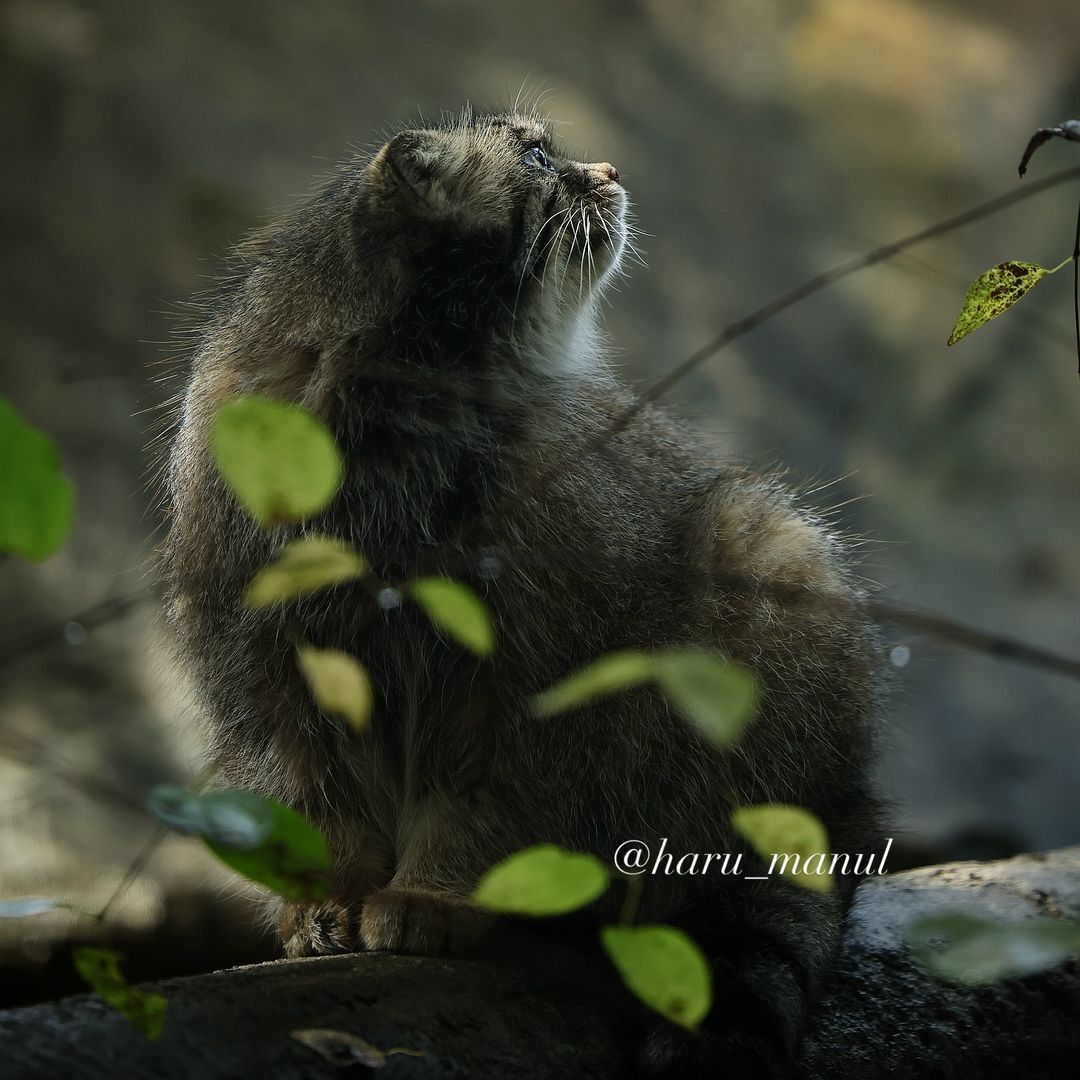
561	343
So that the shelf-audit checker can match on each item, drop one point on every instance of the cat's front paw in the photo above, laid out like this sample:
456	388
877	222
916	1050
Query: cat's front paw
421	922
316	929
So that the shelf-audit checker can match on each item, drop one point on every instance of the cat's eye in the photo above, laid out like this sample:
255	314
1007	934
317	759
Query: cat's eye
535	155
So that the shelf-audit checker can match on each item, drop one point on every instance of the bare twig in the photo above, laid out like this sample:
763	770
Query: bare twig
969	637
137	865
109	610
1076	288
32	753
763	314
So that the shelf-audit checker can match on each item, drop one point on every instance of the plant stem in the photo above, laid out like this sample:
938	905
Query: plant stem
1076	288
634	885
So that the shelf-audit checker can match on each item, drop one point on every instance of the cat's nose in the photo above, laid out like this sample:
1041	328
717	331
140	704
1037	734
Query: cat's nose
600	173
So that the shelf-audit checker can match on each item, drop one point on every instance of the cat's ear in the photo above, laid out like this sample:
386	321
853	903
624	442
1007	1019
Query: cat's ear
418	167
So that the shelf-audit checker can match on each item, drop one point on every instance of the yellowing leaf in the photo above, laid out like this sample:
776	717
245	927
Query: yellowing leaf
707	689
971	951
715	694
278	460
343	1050
338	682
993	292
607	674
664	968
36	499
455	609
791	840
542	880
100	968
304	566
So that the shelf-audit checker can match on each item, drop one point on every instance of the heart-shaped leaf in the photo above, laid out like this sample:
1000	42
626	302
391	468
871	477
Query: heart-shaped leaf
542	880
664	967
278	460
791	840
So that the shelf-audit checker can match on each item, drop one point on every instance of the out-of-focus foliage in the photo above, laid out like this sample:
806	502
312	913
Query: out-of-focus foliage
338	683
792	837
304	566
260	838
101	970
278	460
36	499
664	967
542	880
970	950
456	610
716	695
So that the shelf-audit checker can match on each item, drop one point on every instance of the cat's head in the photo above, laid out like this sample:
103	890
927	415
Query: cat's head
499	190
446	241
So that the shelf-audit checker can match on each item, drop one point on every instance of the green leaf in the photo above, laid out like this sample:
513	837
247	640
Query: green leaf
36	499
970	950
278	460
235	818
791	840
715	694
993	292
608	674
455	609
664	968
293	859
542	880
338	683
100	968
261	838
304	566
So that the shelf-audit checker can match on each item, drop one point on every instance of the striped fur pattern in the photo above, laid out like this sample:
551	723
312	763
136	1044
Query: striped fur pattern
435	303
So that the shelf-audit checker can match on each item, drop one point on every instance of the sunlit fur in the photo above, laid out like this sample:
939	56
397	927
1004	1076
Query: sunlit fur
435	304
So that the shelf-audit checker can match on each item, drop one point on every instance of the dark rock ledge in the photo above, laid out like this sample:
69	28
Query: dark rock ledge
883	1016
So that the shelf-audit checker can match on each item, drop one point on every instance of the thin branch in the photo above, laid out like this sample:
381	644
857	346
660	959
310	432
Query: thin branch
1076	288
109	610
117	607
34	754
763	314
969	637
137	865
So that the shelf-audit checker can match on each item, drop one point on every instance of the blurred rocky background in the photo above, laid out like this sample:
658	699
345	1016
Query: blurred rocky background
761	143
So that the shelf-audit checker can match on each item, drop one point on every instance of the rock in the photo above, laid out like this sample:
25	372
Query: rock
882	1016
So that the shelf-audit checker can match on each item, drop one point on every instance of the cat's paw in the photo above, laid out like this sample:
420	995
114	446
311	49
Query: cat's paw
316	929
421	922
